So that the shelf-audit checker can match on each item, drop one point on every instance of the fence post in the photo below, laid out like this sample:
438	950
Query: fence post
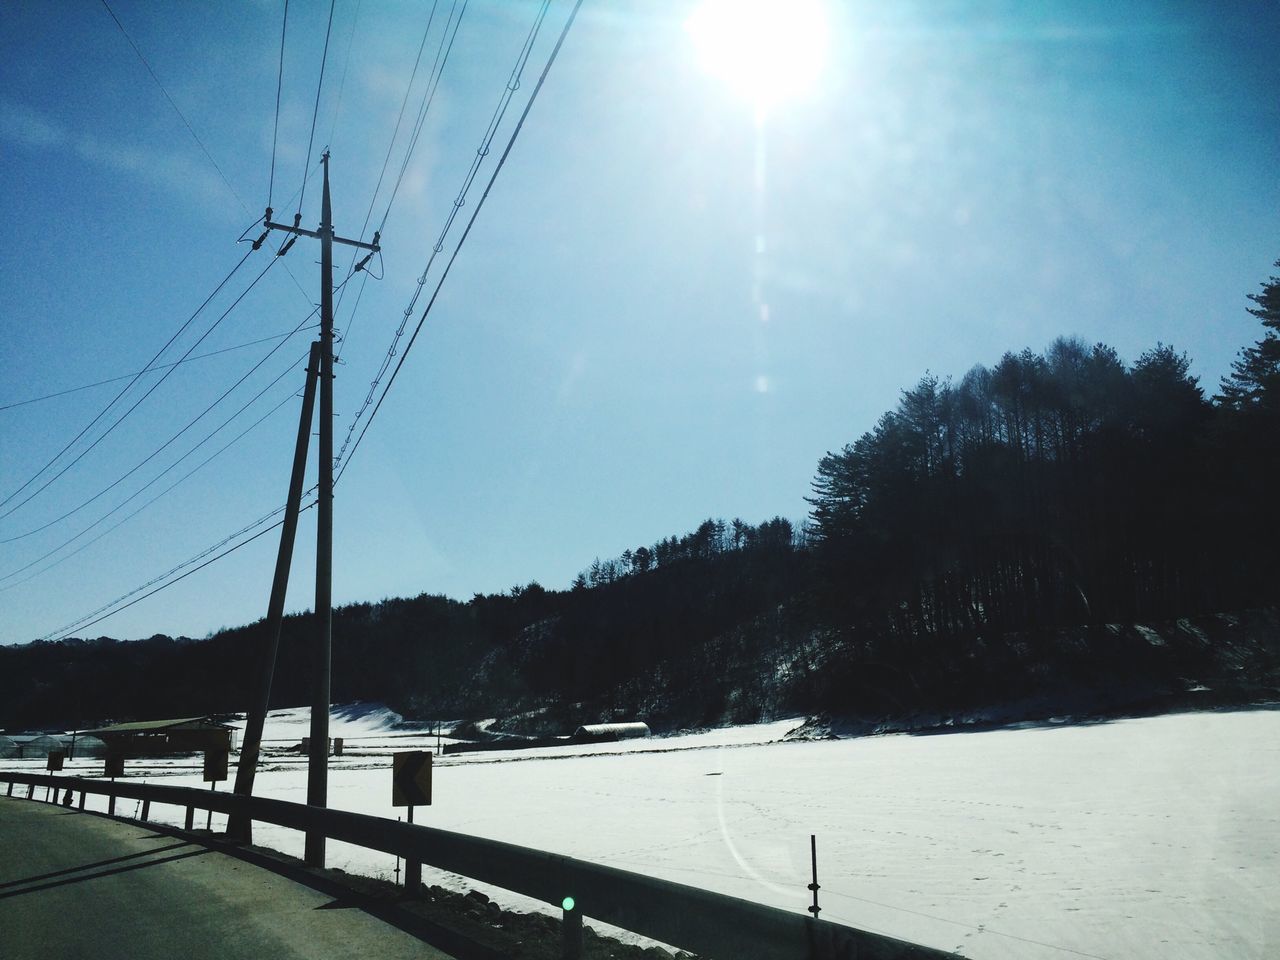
111	805
146	809
10	793
191	816
571	931
31	790
82	794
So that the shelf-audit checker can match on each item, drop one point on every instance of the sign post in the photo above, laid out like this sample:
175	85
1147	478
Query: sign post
53	763
114	768
411	786
215	769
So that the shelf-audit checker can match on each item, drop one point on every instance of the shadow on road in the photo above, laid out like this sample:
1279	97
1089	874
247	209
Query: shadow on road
101	873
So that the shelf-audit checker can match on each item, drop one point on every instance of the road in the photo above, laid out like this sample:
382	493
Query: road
75	885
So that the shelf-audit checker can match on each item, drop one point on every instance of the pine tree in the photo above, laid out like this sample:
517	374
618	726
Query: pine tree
1254	383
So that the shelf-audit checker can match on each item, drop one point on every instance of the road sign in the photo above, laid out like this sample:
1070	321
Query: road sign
411	778
215	765
115	765
54	762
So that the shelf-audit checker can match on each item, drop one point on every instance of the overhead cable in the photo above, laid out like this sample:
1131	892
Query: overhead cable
143	489
462	240
125	519
150	390
181	116
275	129
107	408
324	58
153	369
116	605
508	91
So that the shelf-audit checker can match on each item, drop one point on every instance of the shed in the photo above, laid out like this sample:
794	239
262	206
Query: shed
152	738
605	732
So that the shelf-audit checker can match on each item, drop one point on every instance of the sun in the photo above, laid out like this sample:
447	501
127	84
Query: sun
764	50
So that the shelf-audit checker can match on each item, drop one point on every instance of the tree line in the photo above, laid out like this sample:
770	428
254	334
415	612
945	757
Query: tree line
990	538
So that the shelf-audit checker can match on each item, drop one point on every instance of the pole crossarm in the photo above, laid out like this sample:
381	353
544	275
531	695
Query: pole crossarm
317	235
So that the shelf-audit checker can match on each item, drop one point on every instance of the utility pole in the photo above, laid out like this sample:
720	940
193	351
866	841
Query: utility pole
318	760
242	827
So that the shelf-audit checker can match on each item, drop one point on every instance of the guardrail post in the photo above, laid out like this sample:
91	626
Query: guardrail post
191	817
571	931
10	793
67	797
82	795
111	805
146	809
31	790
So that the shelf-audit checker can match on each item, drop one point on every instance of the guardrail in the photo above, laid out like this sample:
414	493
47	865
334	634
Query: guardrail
708	924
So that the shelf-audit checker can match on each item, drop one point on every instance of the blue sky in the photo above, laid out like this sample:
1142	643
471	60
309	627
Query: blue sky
668	309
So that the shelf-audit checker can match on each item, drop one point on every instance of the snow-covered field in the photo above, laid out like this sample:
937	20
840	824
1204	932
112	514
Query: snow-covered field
1146	838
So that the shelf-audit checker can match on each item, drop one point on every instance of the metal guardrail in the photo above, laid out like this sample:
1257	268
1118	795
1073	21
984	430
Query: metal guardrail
708	924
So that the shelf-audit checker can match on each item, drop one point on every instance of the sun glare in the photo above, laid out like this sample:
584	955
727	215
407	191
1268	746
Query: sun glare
765	50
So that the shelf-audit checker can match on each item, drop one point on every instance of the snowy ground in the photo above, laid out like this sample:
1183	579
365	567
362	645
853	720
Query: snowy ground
1147	838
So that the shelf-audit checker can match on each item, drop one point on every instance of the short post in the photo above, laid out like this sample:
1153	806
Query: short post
412	868
111	804
191	817
146	809
82	796
570	930
31	790
813	855
10	792
67	797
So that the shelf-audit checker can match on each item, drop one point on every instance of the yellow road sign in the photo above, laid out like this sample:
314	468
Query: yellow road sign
411	778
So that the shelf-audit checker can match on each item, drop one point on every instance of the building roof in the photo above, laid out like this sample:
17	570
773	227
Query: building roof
160	726
635	728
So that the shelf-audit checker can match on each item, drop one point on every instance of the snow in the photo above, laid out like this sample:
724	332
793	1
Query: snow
1143	838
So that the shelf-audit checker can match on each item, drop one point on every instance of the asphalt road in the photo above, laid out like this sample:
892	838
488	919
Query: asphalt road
74	885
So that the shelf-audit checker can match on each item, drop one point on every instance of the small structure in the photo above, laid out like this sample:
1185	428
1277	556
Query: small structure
36	746
154	738
7	747
607	732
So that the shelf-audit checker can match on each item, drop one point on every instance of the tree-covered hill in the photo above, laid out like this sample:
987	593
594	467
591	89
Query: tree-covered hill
1059	531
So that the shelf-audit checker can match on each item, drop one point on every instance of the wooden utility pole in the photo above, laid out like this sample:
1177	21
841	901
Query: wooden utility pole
250	748
318	759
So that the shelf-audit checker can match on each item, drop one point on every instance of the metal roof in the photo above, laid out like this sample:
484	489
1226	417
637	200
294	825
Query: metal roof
156	726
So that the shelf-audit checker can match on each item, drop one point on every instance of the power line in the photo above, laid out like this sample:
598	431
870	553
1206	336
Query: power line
152	369
275	129
137	493
119	420
123	520
346	62
466	232
433	81
117	397
486	142
185	122
81	625
324	58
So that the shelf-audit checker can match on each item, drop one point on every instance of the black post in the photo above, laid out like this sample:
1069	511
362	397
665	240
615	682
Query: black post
571	932
813	854
241	827
191	817
412	869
